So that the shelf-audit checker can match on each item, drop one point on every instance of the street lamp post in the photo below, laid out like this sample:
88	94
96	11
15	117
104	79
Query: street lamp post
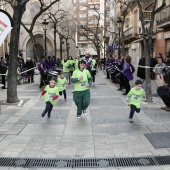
119	26
45	23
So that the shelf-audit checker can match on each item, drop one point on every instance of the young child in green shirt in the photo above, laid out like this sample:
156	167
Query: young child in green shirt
62	83
134	97
51	94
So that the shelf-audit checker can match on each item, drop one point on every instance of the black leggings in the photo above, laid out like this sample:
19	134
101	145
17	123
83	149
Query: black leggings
133	109
64	92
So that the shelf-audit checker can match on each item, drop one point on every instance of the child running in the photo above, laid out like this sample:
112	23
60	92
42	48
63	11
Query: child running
134	97
51	94
62	84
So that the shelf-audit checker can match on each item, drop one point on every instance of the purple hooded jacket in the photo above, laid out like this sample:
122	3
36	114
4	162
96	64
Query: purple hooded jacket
127	72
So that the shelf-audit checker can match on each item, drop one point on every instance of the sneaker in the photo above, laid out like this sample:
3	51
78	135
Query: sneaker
130	120
84	112
78	116
43	114
65	100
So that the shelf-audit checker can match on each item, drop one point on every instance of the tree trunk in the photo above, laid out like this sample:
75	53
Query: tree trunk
13	54
37	55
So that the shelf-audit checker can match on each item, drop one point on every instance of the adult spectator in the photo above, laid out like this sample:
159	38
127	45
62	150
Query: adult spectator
121	75
127	74
3	71
29	66
158	69
163	92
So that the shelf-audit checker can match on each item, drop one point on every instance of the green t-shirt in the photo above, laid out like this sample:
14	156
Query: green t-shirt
76	64
81	84
135	96
66	66
94	64
71	65
61	83
50	92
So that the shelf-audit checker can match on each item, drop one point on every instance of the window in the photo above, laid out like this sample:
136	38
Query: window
82	38
82	15
82	8
83	23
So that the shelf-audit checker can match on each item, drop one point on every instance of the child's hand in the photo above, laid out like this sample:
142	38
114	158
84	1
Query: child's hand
87	85
80	78
127	99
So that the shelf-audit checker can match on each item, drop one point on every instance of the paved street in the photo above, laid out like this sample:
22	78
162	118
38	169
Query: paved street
103	133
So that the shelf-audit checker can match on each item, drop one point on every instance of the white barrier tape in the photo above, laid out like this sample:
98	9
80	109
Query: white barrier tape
28	70
148	66
21	72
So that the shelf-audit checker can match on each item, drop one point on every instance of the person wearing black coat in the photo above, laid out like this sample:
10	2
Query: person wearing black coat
163	91
3	70
29	66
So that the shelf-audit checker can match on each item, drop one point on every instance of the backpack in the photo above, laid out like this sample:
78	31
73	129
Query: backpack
132	69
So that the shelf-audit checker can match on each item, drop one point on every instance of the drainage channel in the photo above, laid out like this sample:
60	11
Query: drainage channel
84	163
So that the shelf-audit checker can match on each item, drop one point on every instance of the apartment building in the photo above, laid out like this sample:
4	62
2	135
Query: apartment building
133	41
25	43
90	14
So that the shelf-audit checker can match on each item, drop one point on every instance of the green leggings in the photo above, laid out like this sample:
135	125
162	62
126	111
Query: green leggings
82	100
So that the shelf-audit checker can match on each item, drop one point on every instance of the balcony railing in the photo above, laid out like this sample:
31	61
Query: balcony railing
163	16
131	33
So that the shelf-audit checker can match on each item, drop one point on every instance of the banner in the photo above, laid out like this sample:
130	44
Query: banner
6	25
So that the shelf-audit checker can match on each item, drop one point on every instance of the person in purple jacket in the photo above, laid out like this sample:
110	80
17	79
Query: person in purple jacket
127	71
43	67
121	75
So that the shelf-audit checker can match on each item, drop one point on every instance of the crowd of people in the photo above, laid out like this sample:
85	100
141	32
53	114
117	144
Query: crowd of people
81	72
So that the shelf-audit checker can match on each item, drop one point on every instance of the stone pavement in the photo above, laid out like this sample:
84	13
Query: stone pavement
103	133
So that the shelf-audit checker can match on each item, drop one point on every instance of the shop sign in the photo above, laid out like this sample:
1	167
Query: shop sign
147	15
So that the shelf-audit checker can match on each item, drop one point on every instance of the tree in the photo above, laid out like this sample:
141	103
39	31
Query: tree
147	40
147	36
19	7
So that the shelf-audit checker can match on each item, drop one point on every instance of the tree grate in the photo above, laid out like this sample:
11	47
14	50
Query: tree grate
84	162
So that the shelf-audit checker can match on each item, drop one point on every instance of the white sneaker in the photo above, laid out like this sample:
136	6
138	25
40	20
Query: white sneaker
79	116
130	120
84	111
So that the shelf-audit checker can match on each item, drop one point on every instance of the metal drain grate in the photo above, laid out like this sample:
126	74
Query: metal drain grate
139	161
84	163
88	163
59	163
15	162
163	160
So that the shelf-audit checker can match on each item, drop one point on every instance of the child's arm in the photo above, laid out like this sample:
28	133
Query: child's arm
43	92
55	97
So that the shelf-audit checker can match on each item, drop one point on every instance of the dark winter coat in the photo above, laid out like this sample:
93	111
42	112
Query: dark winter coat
141	71
164	94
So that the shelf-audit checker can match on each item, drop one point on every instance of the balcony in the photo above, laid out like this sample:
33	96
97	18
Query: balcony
131	34
163	17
